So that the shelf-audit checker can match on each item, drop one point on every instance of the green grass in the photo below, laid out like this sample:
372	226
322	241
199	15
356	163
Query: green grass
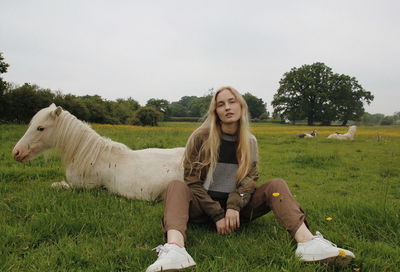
356	183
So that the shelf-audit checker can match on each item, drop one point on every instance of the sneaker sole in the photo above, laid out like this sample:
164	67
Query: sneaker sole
176	269
341	261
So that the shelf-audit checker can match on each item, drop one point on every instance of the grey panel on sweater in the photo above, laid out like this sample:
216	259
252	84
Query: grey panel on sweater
224	178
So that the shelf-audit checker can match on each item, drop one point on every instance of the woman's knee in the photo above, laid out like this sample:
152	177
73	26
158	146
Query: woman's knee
175	186
276	185
278	182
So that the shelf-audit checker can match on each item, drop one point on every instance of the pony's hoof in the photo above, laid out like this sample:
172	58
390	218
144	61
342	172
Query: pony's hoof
60	185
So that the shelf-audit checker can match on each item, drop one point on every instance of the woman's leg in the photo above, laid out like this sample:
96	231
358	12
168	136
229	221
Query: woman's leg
303	234
179	206
275	195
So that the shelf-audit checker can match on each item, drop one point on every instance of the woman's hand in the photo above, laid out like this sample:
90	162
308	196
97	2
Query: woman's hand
230	223
221	226
232	220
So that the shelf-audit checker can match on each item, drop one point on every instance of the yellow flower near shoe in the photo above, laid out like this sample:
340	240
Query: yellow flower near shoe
276	194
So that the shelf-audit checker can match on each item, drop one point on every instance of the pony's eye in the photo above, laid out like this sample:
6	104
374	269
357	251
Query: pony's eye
40	128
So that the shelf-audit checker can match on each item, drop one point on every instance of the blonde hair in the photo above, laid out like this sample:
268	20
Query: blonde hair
208	152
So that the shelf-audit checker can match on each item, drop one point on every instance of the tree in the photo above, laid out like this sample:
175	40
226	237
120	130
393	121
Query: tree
256	105
160	105
125	109
97	108
301	91
23	102
177	110
147	116
72	104
388	120
347	98
314	92
3	85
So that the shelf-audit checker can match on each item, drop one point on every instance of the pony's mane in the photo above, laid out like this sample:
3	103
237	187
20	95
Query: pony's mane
80	144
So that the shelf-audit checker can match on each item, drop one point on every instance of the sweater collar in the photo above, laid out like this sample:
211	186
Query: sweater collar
229	137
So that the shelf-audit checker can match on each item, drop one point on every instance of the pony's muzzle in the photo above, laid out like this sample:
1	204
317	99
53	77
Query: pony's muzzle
18	154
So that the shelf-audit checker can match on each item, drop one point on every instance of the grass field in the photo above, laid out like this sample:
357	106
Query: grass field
355	183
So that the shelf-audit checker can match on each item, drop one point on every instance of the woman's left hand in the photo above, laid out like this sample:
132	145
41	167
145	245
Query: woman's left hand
232	220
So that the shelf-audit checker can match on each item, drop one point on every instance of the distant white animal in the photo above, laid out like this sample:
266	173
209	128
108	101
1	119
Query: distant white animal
92	161
347	136
312	134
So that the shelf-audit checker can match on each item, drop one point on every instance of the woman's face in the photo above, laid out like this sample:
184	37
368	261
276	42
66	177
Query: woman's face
228	107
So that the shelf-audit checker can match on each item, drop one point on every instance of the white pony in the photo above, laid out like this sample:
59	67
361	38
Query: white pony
347	136
92	161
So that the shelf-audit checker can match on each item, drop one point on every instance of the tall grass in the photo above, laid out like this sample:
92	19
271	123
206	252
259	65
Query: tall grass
355	183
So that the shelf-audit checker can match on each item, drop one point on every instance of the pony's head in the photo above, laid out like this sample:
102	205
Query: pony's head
39	136
352	130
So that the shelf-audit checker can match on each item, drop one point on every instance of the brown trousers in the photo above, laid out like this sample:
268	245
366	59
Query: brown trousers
181	207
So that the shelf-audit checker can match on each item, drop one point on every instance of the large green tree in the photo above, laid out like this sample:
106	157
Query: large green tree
346	98
315	93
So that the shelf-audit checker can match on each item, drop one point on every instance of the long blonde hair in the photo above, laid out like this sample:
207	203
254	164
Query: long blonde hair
208	153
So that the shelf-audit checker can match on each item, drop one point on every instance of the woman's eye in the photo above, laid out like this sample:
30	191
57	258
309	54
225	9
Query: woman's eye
40	128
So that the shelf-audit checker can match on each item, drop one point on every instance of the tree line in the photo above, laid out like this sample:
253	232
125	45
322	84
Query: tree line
19	103
312	93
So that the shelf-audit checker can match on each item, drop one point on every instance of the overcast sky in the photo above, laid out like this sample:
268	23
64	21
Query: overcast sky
169	49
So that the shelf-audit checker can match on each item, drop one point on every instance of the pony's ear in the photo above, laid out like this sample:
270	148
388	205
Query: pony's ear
52	105
56	112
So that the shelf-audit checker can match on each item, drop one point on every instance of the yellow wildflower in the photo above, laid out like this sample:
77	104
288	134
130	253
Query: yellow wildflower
342	253
276	194
329	219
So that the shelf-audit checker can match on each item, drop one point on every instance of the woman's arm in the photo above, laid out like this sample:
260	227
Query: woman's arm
194	174
242	195
246	187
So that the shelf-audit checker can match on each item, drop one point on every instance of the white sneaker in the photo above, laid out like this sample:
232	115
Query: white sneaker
170	258
322	250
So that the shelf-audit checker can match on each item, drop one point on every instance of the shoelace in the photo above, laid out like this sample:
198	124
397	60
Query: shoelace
161	250
319	236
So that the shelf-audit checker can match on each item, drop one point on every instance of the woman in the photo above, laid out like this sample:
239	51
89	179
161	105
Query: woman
220	174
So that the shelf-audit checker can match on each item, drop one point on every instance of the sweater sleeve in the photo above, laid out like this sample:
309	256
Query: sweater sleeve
194	176
246	187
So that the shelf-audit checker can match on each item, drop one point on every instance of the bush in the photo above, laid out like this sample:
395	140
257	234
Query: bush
264	116
387	120
184	119
147	116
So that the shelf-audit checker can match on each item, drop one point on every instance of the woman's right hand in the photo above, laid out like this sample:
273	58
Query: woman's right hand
221	226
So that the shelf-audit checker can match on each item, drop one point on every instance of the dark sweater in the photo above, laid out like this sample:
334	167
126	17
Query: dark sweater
223	179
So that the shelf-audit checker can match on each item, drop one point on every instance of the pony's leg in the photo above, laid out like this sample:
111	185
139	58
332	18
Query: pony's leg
60	185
